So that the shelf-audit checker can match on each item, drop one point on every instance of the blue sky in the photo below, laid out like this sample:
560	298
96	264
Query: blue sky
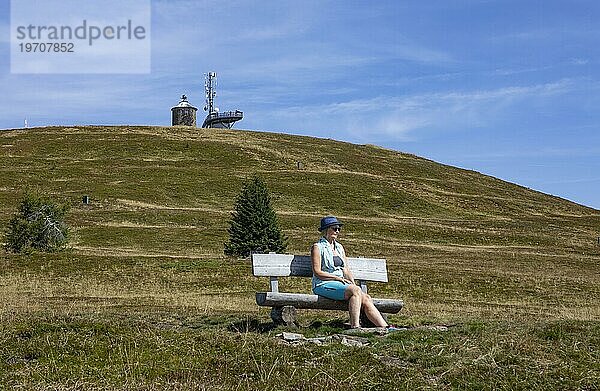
507	88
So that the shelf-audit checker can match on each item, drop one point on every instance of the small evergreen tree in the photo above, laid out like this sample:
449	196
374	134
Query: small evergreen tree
38	224
254	226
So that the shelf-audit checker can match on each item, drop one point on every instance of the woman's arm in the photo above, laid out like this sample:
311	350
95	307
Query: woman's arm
315	256
347	272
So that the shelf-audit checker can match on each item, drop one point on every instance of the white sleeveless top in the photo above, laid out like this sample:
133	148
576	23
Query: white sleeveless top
328	263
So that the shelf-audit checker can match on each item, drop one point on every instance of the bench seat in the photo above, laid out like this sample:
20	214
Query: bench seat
316	302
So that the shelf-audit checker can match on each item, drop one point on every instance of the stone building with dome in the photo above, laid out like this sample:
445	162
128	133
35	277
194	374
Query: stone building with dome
184	114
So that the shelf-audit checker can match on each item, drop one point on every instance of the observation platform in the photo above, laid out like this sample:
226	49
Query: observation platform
224	120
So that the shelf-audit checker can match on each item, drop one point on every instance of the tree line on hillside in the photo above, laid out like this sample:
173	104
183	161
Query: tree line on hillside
39	224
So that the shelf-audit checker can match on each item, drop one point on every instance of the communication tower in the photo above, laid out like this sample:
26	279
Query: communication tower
214	119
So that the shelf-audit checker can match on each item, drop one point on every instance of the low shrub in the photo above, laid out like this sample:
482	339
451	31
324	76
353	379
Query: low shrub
38	224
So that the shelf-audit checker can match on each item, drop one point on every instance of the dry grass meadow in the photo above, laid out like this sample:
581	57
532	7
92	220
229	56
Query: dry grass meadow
144	298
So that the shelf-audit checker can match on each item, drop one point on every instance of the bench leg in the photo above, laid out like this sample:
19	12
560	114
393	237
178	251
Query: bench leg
284	315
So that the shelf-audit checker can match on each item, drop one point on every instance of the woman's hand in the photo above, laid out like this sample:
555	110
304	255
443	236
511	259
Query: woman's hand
348	274
316	267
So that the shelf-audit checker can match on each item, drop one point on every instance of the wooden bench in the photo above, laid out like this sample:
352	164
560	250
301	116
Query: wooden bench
284	305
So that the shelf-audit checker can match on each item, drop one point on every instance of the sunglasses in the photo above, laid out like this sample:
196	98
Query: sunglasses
336	228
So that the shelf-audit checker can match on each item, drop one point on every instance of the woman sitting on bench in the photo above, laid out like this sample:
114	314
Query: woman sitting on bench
333	279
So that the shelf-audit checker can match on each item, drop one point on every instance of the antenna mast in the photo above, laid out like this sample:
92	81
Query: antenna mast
215	119
210	91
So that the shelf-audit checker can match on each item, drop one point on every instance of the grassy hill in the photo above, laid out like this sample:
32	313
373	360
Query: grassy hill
145	299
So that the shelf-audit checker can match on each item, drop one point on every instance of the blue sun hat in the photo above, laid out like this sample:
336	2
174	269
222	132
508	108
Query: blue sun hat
328	221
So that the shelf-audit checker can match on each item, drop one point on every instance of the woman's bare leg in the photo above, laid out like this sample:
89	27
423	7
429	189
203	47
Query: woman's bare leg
372	312
354	296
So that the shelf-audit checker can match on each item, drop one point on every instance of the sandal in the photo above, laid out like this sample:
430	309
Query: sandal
392	327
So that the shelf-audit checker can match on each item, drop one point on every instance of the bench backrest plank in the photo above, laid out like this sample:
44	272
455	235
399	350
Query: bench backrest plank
285	265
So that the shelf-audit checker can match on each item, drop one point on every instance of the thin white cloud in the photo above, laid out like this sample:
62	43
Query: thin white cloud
62	98
201	26
278	42
400	118
561	32
314	66
266	33
571	181
540	152
528	35
422	54
579	61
